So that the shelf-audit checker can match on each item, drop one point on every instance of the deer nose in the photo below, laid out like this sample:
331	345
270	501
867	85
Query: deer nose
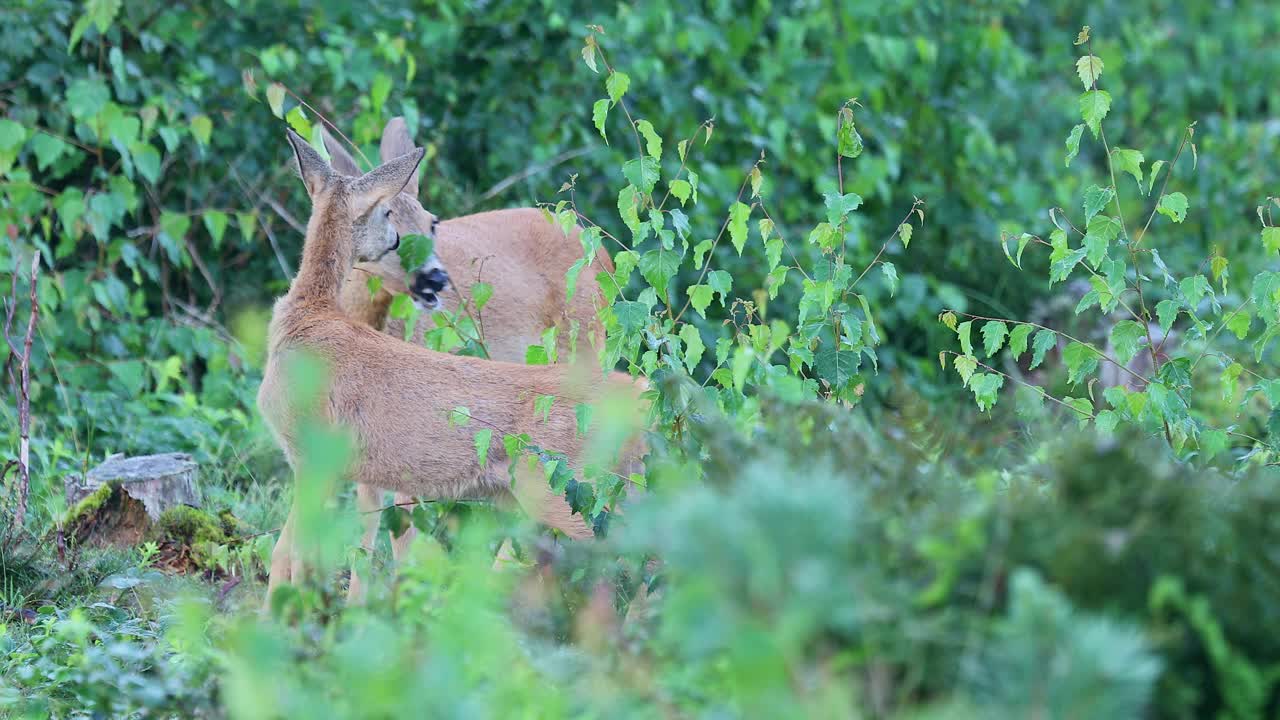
430	283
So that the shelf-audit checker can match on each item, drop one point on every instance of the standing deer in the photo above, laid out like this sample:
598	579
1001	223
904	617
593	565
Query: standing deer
392	396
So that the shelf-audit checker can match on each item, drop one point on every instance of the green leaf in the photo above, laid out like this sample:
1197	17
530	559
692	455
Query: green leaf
700	297
1130	161
215	222
571	278
1173	205
681	189
1095	199
653	143
848	141
275	99
1073	143
1018	340
658	267
904	234
47	147
145	157
542	406
1102	230
890	276
202	128
1126	336
986	388
379	91
1151	177
632	316
1212	443
1167	311
693	346
1089	68
1082	407
582	414
965	367
297	120
414	251
480	294
1094	106
993	335
248	224
617	84
173	233
599	112
460	416
1043	341
700	252
1081	360
739	213
1239	324
1271	239
481	440
87	97
722	283
642	172
839	206
963	332
825	236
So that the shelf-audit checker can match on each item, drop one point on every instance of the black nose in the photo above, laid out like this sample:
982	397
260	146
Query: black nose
430	282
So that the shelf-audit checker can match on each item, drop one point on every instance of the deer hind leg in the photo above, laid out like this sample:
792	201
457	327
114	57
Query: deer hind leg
400	545
284	559
545	506
368	500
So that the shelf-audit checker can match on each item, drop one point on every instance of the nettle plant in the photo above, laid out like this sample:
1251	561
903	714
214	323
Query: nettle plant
1160	384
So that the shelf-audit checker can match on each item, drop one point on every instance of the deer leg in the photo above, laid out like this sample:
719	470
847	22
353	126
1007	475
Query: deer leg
400	545
368	499
546	506
283	559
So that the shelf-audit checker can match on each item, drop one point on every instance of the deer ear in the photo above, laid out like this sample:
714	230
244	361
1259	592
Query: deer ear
385	181
396	141
338	155
311	166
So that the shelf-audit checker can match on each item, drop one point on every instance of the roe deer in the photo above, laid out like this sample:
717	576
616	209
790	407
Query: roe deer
392	396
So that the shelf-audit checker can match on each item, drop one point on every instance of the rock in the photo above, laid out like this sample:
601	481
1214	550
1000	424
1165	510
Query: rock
120	500
159	482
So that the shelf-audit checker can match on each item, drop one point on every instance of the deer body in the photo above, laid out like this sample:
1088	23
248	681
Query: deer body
394	397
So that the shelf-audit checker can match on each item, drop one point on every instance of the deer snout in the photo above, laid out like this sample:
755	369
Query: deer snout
426	286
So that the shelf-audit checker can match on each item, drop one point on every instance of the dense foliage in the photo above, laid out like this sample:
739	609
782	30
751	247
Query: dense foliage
807	209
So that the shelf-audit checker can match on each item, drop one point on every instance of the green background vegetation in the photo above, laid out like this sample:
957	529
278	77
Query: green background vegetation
911	557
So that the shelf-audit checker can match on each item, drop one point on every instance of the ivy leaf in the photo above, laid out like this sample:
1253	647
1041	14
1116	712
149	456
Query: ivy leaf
890	276
599	112
738	215
1173	205
1043	341
1126	336
993	335
1130	161
839	206
653	143
986	388
1018	340
617	84
963	332
700	297
414	251
1081	360
1095	199
1089	68
1094	106
481	440
693	346
1073	143
275	99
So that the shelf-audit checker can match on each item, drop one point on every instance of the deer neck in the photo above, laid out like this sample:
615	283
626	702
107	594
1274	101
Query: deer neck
327	255
362	305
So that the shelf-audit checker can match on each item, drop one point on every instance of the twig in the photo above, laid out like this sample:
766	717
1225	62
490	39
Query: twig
530	171
23	390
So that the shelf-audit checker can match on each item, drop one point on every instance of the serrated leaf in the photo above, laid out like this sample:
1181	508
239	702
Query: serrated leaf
632	316
738	215
693	346
653	143
1081	360
1239	324
617	84
1094	106
890	276
460	416
414	250
1089	68
1173	205
1167	311
965	366
963	332
993	335
658	267
47	147
145	158
589	54
480	294
1271	239
700	297
599	113
1095	199
848	141
1102	230
275	99
642	172
904	234
681	189
986	389
948	318
1151	177
1073	143
839	206
1043	341
756	179
700	252
1126	337
582	416
1018	340
1130	161
481	440
571	278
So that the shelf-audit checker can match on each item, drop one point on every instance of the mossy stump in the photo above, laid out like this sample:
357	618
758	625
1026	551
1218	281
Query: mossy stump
119	501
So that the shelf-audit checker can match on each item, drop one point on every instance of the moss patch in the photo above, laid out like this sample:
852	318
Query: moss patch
90	504
108	517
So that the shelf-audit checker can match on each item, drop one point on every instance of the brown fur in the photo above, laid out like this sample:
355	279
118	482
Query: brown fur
395	397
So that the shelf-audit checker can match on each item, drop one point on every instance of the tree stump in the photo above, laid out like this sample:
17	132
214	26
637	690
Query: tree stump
120	500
